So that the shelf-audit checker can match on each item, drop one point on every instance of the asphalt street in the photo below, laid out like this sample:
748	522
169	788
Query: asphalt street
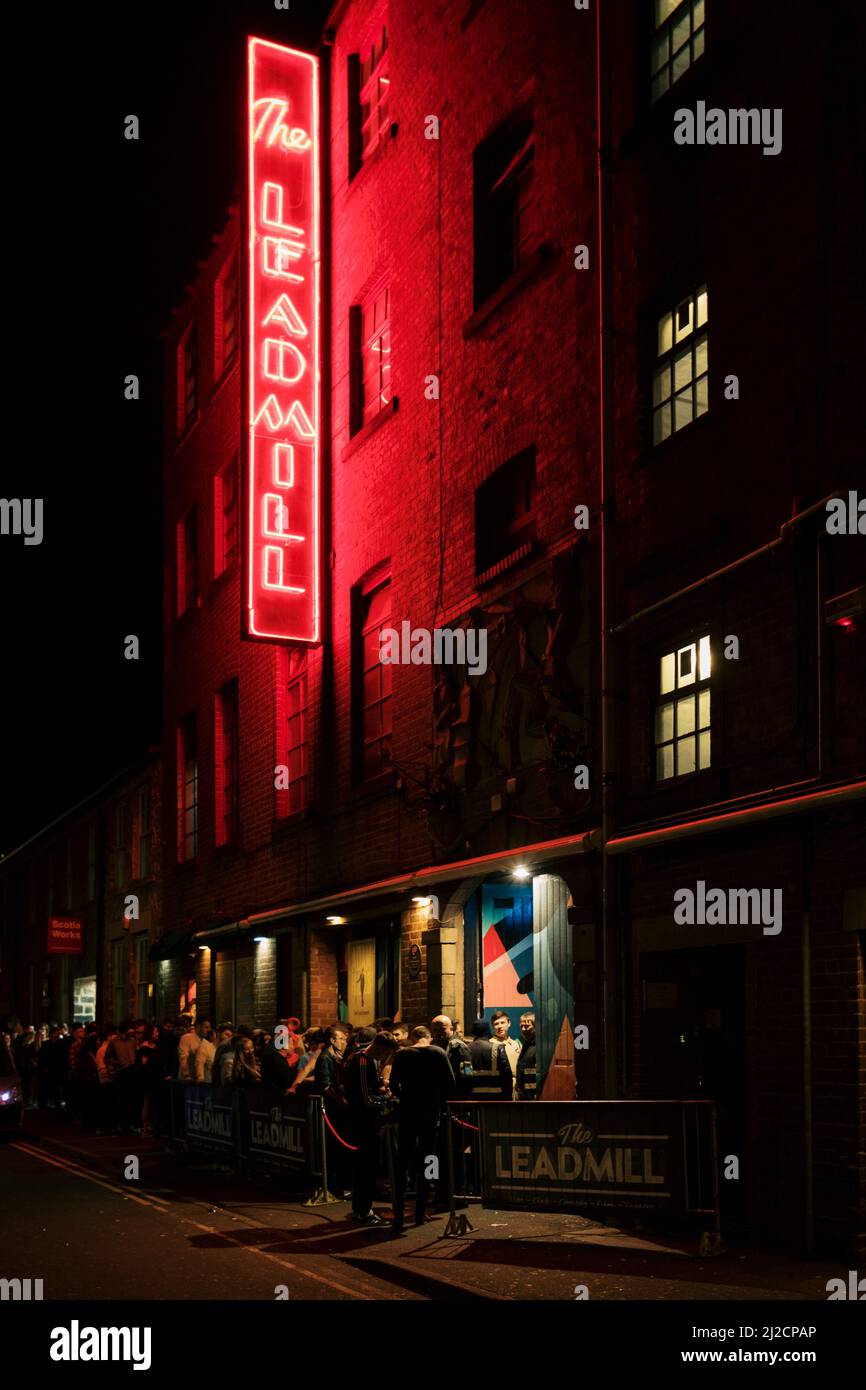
191	1230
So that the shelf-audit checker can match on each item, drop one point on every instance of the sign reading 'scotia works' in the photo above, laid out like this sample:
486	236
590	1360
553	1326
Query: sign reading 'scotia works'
563	1155
282	444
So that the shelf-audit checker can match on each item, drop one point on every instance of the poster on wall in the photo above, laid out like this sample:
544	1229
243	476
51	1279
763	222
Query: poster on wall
362	982
507	951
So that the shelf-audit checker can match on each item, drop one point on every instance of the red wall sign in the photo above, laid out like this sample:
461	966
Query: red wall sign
282	449
65	936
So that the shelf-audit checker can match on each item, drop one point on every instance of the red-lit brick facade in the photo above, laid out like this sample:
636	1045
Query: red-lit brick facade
461	491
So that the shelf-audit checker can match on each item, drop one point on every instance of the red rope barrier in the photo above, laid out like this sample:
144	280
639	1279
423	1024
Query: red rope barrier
354	1147
465	1125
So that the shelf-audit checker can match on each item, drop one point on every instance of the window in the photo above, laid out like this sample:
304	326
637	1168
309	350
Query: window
505	513
682	718
121	845
144	833
294	737
142	990
226	317
187	562
372	694
678	40
226	517
91	863
504	204
226	744
120	978
371	358
187	797
187	379
680	380
369	86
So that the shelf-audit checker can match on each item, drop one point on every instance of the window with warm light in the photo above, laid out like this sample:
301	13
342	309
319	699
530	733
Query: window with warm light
682	716
504	203
187	562
226	763
226	317
372	678
296	796
369	91
226	516
187	789
187	379
677	41
680	379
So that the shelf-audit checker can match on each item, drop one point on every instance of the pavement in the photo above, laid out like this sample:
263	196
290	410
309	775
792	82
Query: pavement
189	1207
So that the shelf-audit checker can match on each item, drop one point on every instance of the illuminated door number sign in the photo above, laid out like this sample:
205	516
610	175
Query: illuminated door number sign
282	336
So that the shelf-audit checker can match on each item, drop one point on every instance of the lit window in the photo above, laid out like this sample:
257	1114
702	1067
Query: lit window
372	99
226	516
682	717
677	42
296	753
504	204
226	744
373	680
187	799
187	562
187	379
680	379
226	318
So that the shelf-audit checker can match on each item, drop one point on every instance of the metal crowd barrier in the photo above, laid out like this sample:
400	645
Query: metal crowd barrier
252	1130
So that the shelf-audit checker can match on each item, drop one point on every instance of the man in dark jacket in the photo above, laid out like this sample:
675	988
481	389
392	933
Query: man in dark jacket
526	1060
481	1048
422	1082
367	1097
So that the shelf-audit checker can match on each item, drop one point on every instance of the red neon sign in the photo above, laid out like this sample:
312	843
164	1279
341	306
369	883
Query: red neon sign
282	450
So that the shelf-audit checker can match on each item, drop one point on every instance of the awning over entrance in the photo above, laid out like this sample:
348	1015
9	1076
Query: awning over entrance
172	946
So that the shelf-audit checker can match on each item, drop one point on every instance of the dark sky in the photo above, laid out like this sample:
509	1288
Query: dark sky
107	234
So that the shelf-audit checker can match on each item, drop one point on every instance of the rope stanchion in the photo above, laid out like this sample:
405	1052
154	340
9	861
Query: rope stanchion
340	1140
458	1223
322	1197
465	1125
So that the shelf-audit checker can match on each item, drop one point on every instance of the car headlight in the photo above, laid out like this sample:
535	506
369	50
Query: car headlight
11	1096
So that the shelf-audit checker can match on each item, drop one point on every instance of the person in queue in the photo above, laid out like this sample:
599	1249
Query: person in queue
422	1082
245	1069
525	1076
506	1050
368	1104
329	1084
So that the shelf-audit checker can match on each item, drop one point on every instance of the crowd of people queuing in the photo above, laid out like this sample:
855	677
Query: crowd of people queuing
385	1088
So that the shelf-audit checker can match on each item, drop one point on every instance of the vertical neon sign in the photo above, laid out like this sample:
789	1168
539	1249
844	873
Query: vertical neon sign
282	450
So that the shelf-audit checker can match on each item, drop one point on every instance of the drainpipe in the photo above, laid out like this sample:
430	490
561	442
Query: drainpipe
786	533
808	1133
607	500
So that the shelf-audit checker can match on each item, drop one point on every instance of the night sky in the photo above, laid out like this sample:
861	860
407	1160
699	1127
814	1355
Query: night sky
110	232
